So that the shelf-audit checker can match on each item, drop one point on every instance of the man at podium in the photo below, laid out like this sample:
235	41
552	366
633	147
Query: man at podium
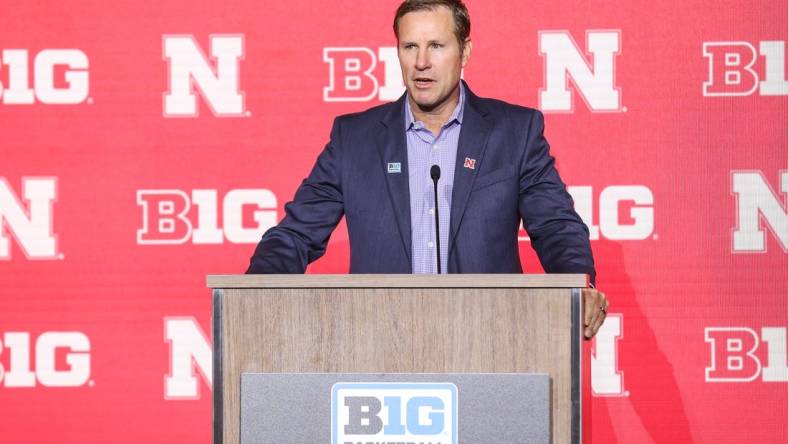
438	181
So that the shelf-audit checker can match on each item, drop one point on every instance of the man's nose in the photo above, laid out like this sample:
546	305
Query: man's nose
422	60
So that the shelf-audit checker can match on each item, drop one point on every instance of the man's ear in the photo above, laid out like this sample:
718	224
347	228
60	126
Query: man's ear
466	51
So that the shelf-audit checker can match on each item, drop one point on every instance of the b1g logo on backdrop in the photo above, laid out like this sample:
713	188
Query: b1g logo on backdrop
190	71
620	212
593	73
60	77
352	74
626	212
29	220
47	365
732	73
167	217
734	354
394	412
758	207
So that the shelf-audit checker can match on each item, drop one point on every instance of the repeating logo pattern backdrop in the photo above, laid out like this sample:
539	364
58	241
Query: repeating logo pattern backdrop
144	146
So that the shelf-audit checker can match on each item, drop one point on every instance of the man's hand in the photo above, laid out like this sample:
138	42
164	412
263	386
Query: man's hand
594	311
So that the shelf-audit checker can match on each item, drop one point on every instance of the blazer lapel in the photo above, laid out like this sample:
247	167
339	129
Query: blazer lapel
473	141
393	149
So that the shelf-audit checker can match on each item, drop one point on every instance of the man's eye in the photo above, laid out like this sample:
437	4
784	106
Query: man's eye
437	45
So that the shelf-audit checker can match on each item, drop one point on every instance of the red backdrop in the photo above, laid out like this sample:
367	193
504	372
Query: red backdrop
145	145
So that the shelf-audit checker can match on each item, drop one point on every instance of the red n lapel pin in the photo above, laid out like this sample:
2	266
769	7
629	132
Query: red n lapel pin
470	163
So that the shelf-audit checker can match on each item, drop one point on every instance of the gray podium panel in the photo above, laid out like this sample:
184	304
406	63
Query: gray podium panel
395	408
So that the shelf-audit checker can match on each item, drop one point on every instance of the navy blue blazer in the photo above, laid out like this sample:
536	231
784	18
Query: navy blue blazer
514	178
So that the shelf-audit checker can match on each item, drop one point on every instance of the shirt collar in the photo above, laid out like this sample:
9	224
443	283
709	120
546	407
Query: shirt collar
411	123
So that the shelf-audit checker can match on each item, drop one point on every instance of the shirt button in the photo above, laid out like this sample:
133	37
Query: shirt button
430	244
435	147
432	211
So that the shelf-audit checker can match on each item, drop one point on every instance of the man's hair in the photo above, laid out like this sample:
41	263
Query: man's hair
462	21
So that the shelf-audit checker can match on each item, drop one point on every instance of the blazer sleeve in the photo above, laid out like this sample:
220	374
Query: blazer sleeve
557	233
310	218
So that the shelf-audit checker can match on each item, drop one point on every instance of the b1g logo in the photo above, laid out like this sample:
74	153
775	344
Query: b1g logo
352	74
617	212
28	218
47	370
394	412
167	217
732	73
60	77
625	212
595	81
735	354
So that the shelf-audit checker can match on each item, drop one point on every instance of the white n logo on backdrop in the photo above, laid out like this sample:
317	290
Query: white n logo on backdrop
594	80
190	352
756	205
607	379
31	224
190	72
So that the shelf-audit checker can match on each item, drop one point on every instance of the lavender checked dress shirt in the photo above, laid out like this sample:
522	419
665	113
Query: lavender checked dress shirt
424	150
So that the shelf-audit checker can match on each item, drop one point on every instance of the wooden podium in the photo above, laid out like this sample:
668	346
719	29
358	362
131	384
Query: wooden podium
400	324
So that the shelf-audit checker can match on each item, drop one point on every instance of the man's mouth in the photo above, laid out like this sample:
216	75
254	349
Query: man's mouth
423	82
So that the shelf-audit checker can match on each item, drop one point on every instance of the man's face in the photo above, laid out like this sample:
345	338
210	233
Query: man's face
429	55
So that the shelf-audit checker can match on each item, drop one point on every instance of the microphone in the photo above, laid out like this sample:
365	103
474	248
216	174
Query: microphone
435	174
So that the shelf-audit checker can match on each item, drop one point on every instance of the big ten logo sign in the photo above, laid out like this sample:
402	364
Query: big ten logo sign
190	356
394	412
607	378
217	79
593	72
59	359
29	219
355	74
737	354
732	69
759	206
623	212
175	217
60	77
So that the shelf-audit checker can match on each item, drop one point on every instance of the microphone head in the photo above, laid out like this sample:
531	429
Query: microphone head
435	172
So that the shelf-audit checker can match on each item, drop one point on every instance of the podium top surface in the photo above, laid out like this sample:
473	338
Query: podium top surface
399	281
